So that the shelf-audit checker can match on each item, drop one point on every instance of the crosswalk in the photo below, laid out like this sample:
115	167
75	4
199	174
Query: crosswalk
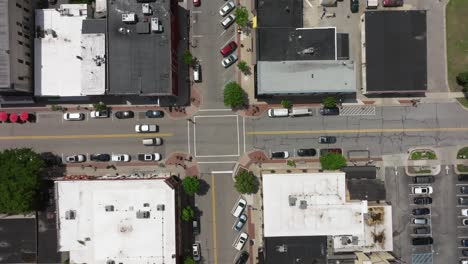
357	110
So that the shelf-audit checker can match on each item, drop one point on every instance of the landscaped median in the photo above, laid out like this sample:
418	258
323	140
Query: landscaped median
461	163
422	161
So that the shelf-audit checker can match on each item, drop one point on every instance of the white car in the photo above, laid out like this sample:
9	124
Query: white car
146	128
196	251
229	60
227	8
73	116
99	114
75	158
422	190
239	207
464	212
120	157
240	241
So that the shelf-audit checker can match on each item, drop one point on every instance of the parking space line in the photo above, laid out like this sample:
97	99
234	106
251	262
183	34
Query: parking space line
214	110
215	156
231	39
188	135
243	130
215	162
213	209
221	172
196	12
461	184
238	136
224	32
197	36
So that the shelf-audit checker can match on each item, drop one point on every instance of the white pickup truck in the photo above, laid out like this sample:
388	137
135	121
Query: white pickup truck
146	128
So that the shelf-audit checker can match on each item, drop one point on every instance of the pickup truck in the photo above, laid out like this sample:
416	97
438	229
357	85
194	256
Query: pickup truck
146	128
149	157
99	114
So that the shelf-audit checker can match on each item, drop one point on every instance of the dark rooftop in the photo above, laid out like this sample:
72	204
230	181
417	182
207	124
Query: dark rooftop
360	172
308	249
396	51
18	238
139	63
93	26
279	13
282	44
370	190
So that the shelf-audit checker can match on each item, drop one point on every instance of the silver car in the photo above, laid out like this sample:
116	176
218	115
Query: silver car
228	61
239	224
227	8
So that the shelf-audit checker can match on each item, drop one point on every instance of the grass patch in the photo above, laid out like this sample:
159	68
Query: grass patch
457	40
418	155
463	101
463	153
462	168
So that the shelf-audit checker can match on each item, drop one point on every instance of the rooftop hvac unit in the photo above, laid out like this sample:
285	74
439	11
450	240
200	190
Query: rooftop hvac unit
282	248
303	204
70	214
155	25
160	207
292	200
129	18
146	9
109	208
143	214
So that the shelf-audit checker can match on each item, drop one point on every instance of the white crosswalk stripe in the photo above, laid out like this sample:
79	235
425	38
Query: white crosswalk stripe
357	110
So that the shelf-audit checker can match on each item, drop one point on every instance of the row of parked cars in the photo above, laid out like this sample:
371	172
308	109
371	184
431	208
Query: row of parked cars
310	152
241	218
300	111
463	201
78	116
420	220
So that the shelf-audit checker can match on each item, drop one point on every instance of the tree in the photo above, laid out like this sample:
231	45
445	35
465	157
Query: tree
242	16
286	103
233	95
189	260
246	182
329	102
190	185
462	79
243	67
187	57
187	214
332	161
100	106
19	180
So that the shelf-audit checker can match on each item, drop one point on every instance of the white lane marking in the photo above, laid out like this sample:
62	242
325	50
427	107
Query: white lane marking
214	110
188	135
215	162
238	137
461	184
224	32
196	12
215	116
243	130
307	1
197	36
215	156
221	172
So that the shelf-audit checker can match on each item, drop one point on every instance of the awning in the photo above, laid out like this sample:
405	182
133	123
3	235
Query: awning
24	116
3	116
13	117
254	22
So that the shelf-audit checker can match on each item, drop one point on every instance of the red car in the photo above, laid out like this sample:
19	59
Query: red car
196	2
392	3
228	49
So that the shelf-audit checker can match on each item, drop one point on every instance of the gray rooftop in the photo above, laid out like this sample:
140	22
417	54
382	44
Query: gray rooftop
138	63
279	13
4	45
93	26
305	77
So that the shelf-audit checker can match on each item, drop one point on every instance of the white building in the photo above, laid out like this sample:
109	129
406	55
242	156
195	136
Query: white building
117	221
68	61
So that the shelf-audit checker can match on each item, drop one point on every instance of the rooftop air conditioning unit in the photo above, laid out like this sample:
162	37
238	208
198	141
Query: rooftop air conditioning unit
129	18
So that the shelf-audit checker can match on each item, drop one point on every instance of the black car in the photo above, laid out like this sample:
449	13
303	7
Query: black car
423	179
464	242
464	189
280	155
124	114
243	257
421	211
100	157
327	140
423	200
465	252
463	200
306	152
354	6
463	177
419	241
421	230
329	111
154	114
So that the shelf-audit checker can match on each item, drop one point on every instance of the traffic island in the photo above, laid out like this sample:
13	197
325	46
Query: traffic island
422	161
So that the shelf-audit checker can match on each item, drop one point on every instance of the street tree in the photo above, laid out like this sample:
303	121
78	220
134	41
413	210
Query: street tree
242	16
19	180
286	103
187	57
190	185
99	106
233	95
189	260
243	67
187	214
332	161
246	182
462	79
329	102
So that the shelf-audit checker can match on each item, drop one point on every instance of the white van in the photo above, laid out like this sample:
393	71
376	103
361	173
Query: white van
239	207
301	112
197	73
278	112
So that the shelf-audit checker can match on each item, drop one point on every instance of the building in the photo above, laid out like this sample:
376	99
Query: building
16	50
117	221
297	61
394	52
70	57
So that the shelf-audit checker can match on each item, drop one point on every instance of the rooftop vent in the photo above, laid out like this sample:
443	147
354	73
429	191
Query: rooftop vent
303	204
282	248
143	214
109	208
292	200
70	214
110	261
146	205
160	207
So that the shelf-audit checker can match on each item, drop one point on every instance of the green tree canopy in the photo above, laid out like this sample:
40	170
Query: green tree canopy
462	79
332	161
246	182
190	185
243	67
242	16
233	95
189	260
329	102
19	180
187	57
286	103
99	106
187	214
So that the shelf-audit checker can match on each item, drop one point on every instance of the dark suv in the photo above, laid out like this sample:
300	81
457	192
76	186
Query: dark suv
423	179
421	230
243	257
423	200
306	152
329	111
421	211
327	140
464	189
419	241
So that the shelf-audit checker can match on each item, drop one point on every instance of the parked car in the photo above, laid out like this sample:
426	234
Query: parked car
146	128
229	60
197	73
464	221
463	200
423	179
278	112
464	189
75	158
464	212
421	190
154	113
463	177
229	48
392	3
464	242
227	21
464	261
422	230
73	116
465	252
327	140
239	207
330	150
120	157
239	224
280	155
196	251
421	241
421	211
149	157
329	111
100	157
152	141
196	3
227	8
240	241
420	221
309	152
423	200
99	114
195	226
242	258
354	6
124	114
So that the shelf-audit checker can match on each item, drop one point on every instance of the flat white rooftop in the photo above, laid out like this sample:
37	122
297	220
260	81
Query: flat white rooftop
128	221
67	62
310	204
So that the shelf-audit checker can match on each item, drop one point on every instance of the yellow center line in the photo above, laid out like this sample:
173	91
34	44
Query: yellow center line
134	135
213	209
372	130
